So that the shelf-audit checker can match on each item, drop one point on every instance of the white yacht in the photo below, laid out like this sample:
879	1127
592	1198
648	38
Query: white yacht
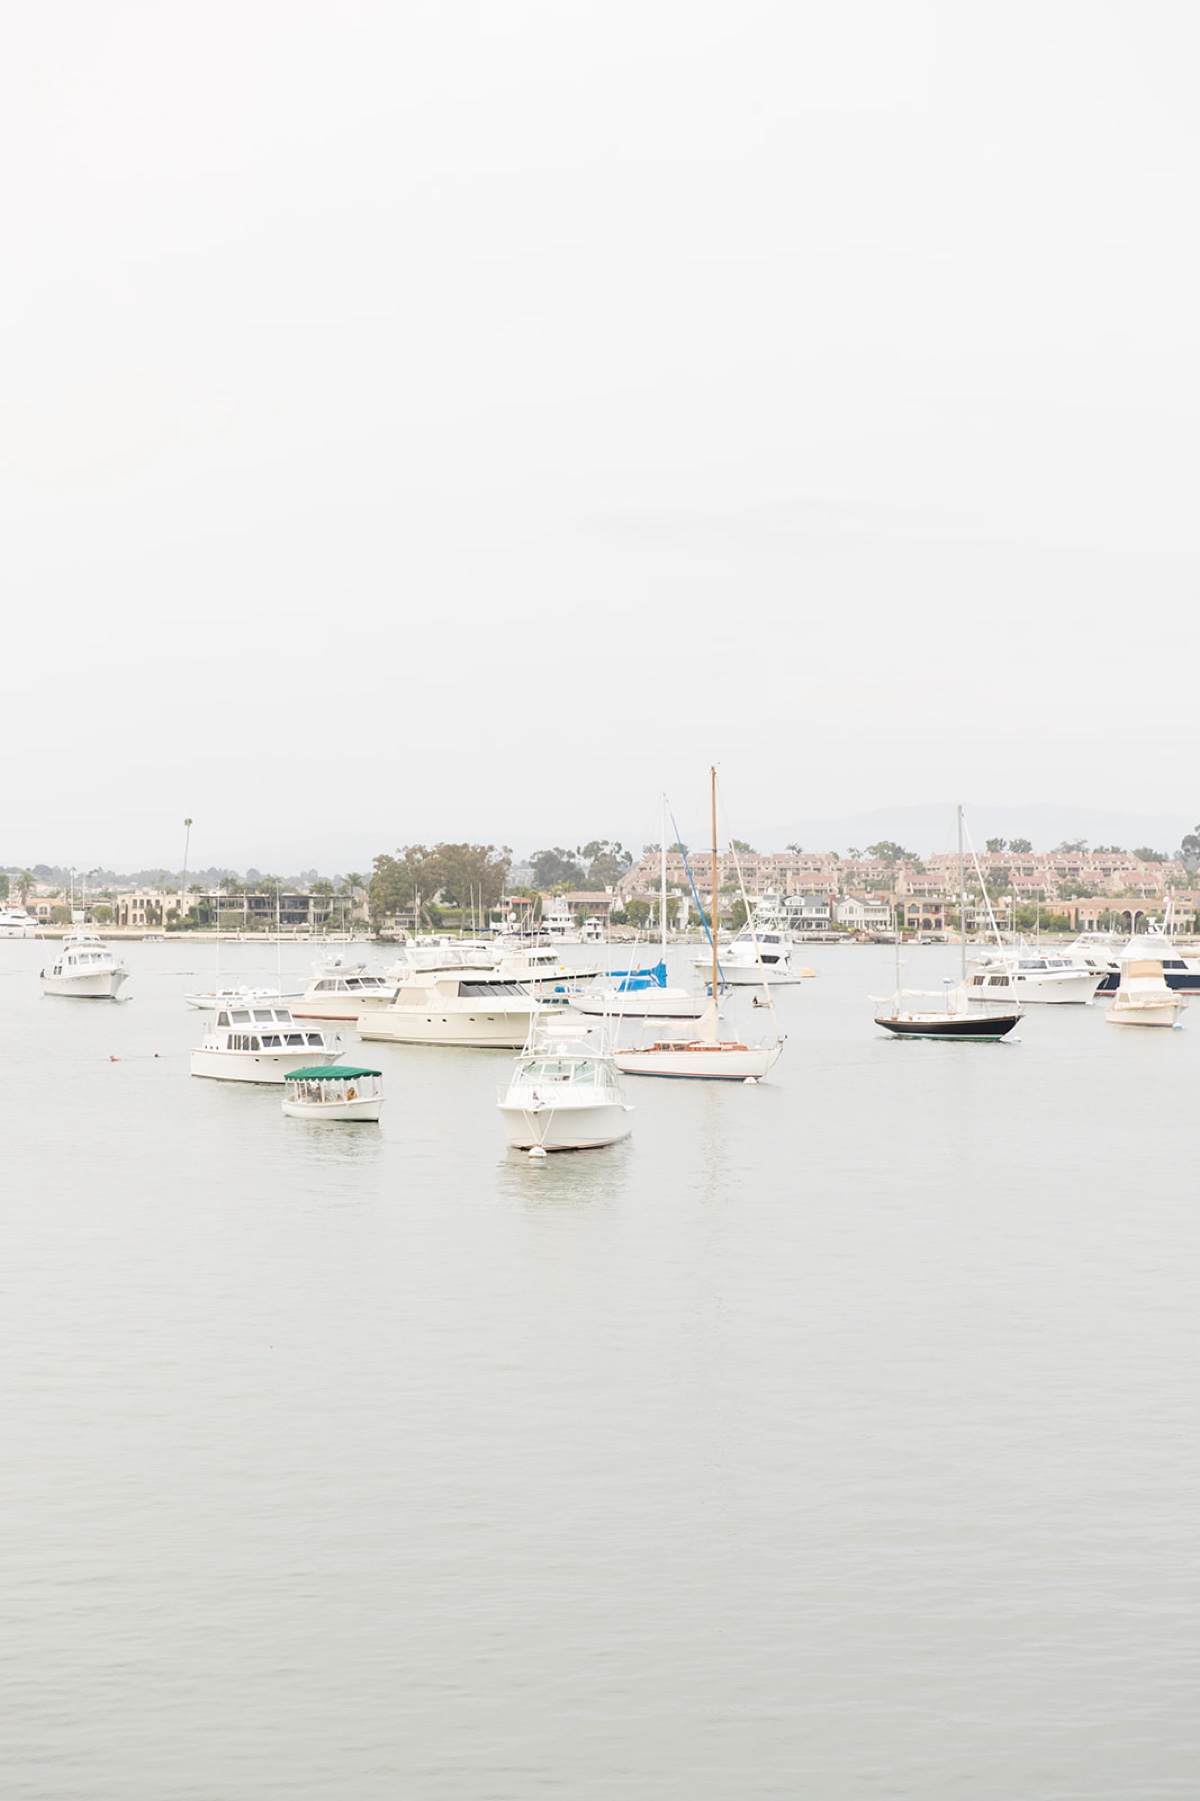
15	922
85	967
754	957
565	1095
454	1007
1144	997
260	1044
1027	977
340	990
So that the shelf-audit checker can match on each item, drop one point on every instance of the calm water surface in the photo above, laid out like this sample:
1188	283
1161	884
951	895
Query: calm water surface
835	1437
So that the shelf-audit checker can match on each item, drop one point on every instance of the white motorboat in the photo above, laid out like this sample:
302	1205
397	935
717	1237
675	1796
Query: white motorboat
340	990
429	956
84	967
754	957
15	922
565	1095
260	1044
1022	976
207	1000
1143	996
333	1092
454	1007
558	926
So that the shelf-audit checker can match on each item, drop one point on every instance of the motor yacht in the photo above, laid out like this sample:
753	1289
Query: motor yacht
84	967
565	1095
15	922
1144	996
1024	977
334	1092
260	1044
454	1007
754	957
340	990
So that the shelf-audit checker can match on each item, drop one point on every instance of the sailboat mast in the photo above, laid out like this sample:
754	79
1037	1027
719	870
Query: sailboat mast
713	933
962	903
662	881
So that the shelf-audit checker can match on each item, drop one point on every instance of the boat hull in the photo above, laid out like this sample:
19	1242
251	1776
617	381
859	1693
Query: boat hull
89	985
567	1128
641	1003
701	1062
1162	1013
257	1066
502	1030
338	1006
988	1029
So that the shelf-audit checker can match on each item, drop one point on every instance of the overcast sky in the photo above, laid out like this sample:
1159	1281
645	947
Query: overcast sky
468	420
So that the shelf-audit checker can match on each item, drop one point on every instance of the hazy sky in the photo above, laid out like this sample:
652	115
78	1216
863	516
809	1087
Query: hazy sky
467	420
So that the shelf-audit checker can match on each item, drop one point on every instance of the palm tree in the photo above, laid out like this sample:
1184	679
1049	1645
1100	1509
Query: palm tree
26	885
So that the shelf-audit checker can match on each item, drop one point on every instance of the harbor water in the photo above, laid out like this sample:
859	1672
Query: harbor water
832	1437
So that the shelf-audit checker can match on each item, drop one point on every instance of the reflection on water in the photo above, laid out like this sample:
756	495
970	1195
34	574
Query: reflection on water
834	1436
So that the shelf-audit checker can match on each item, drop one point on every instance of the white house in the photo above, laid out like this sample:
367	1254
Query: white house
865	915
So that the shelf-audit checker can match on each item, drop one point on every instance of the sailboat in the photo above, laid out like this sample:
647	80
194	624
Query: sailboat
957	1019
643	993
706	1056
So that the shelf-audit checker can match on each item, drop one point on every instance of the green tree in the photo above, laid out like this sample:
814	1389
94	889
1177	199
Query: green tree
1020	847
1150	856
888	851
743	849
3	886
557	868
797	850
997	846
25	885
637	913
1071	847
737	915
606	862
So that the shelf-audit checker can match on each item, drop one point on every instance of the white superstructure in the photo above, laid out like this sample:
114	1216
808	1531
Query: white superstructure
342	991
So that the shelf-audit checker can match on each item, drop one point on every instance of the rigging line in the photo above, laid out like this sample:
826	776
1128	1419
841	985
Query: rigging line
692	883
762	968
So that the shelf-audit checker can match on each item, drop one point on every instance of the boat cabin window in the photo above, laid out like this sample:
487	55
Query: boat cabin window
222	1019
262	1015
296	1038
240	1019
997	981
271	1041
315	1038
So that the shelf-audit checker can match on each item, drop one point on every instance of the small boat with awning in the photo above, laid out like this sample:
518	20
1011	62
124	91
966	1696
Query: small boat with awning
338	1092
